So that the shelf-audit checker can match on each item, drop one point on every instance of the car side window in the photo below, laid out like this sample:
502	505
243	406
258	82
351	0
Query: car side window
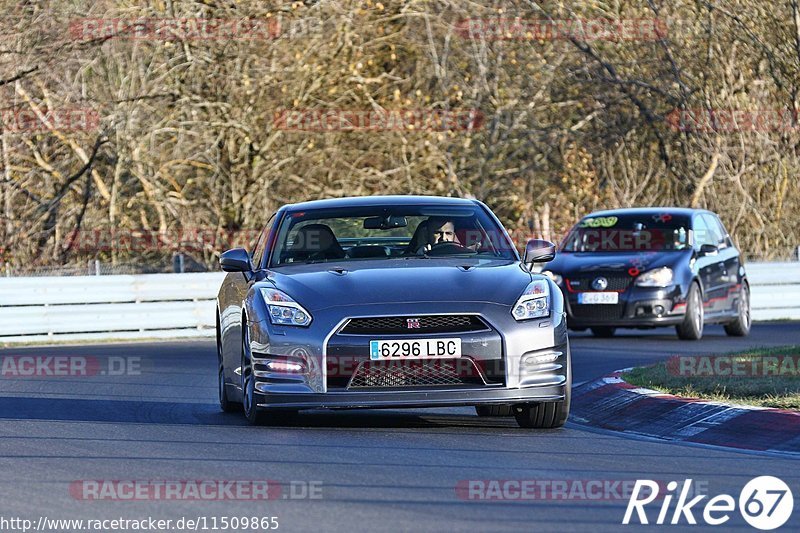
717	227
702	233
258	250
713	230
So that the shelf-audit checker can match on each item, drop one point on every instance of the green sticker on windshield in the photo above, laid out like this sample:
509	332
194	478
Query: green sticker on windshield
598	222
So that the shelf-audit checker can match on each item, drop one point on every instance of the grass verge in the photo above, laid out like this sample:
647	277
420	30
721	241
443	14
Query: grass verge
766	377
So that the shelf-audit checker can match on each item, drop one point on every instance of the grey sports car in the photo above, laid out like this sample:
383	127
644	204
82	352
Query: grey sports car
391	302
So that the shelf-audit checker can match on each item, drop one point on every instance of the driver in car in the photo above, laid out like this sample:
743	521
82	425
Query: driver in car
439	230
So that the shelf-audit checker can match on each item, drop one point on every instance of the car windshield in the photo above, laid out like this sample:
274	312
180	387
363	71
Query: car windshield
388	232
629	233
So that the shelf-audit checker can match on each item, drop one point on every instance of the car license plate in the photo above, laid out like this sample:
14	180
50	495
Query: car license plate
415	349
598	297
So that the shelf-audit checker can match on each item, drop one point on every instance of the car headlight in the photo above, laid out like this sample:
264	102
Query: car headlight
552	275
283	310
534	302
658	277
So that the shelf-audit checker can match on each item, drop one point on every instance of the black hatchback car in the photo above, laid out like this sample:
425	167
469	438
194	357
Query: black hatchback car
651	267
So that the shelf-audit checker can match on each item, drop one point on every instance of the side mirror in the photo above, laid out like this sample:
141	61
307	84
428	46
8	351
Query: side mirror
236	260
539	251
708	249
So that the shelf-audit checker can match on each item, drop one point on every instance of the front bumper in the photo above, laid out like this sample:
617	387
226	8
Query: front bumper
514	347
638	307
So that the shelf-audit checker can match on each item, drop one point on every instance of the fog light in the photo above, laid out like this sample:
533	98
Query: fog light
282	366
658	310
540	359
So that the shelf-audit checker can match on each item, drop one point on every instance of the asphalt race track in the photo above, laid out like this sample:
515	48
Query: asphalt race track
375	470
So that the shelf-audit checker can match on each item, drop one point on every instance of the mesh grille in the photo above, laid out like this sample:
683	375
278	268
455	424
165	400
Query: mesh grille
615	282
598	311
402	325
411	373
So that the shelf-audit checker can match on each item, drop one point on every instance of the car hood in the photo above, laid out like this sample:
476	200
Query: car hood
322	285
571	263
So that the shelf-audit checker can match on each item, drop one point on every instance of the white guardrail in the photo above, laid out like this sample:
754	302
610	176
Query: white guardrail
775	290
108	307
182	305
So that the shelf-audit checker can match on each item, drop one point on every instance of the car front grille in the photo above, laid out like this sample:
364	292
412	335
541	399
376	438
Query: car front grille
616	282
597	311
408	325
415	373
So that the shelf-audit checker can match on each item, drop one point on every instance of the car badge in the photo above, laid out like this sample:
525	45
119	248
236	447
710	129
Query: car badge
600	284
412	323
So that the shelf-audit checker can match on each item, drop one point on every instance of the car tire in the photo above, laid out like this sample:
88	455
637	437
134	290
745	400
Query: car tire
493	410
263	417
254	415
225	403
604	332
691	328
546	415
741	326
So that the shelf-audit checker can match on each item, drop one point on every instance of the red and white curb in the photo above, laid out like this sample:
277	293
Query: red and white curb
612	403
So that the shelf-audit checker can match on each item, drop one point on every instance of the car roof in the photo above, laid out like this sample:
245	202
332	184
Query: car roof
681	211
362	201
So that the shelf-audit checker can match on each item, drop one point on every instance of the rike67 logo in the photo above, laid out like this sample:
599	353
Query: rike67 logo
765	503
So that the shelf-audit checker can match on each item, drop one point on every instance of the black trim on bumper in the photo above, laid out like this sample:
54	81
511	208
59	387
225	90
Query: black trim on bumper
397	399
627	322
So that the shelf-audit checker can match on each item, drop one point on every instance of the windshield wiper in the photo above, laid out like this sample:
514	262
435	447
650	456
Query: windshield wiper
445	256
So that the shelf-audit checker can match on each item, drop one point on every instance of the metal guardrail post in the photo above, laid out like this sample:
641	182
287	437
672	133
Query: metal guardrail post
178	263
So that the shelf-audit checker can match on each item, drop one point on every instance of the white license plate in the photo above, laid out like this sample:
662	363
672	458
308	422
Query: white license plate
415	349
598	297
